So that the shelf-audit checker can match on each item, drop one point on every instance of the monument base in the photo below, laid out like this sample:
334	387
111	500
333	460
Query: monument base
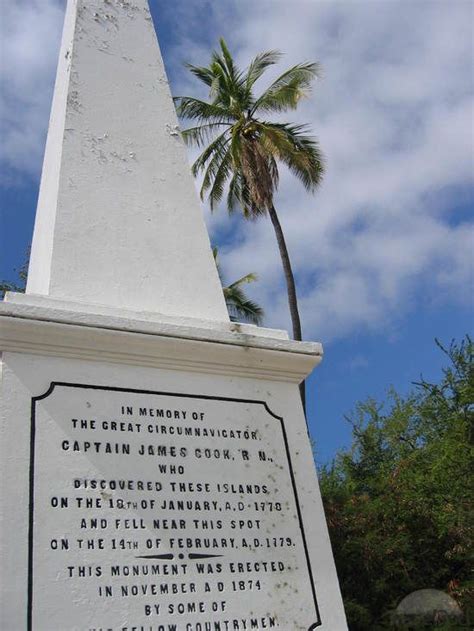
157	474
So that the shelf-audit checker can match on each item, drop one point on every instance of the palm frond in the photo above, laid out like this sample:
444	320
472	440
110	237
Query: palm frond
297	149
239	195
196	109
216	162
229	65
220	177
287	90
221	82
248	278
215	87
227	79
201	134
216	148
241	307
234	194
202	73
259	64
307	161
236	75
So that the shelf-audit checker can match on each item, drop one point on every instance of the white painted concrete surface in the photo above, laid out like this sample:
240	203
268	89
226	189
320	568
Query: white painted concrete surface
62	601
118	220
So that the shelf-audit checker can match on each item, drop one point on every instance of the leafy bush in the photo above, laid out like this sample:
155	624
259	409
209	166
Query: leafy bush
399	501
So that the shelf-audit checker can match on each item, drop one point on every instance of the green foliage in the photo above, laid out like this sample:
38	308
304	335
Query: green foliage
399	502
20	284
245	149
239	305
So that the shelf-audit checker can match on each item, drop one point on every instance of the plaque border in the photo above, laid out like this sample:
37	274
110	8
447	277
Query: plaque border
83	386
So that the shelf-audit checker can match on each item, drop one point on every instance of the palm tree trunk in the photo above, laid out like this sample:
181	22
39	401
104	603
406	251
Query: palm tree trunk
290	286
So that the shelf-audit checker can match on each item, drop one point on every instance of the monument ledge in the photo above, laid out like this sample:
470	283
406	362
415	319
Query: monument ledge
46	326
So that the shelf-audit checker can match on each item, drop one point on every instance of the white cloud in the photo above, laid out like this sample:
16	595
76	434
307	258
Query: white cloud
394	118
30	36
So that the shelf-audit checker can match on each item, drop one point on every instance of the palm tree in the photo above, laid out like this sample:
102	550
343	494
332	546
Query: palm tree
244	149
239	306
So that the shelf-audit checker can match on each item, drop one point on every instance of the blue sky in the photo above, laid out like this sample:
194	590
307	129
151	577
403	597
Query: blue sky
383	252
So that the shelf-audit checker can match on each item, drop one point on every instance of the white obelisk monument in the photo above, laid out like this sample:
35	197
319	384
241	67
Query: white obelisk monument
156	472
